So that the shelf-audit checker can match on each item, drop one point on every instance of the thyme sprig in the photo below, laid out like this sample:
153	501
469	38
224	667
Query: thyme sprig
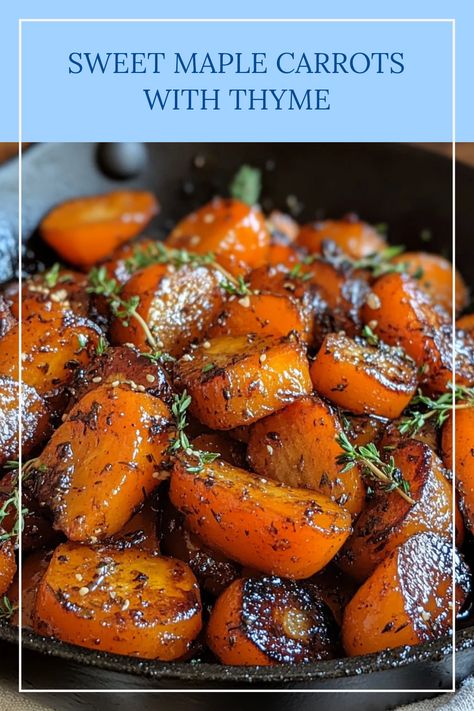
423	408
246	185
109	288
6	608
180	441
13	503
159	253
51	277
373	466
369	336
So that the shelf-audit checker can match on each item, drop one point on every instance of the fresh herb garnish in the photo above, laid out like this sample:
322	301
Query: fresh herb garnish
246	185
297	273
209	366
180	441
158	253
102	285
102	345
159	357
380	263
51	276
371	337
423	408
385	473
6	608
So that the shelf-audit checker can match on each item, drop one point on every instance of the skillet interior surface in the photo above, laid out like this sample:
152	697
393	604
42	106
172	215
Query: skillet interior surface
406	188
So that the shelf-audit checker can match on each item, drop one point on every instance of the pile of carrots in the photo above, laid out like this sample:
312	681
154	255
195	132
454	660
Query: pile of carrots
237	444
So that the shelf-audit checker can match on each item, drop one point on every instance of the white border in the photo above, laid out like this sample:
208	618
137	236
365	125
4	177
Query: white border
451	21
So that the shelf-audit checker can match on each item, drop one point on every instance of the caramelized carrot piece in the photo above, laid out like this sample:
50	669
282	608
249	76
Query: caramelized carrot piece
436	278
234	380
86	230
259	523
56	289
177	304
34	420
466	324
362	429
464	462
402	314
53	347
270	621
389	520
297	446
263	315
101	462
123	364
37	530
355	238
235	232
120	601
408	598
283	254
120	264
334	588
213	570
141	529
7	562
362	378
284	228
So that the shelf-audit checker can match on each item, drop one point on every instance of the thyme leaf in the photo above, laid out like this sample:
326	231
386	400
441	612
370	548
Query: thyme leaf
423	408
373	466
246	185
180	441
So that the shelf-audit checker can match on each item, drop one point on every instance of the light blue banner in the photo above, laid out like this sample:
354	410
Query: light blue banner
415	105
237	81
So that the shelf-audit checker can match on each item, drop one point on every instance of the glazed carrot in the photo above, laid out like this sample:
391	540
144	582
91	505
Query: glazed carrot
7	562
466	323
34	419
88	229
177	304
402	314
362	378
111	445
234	380
56	289
213	570
259	523
264	315
121	263
408	598
436	278
53	347
120	601
356	238
464	462
271	621
297	446
37	530
235	232
283	254
123	364
389	520
283	228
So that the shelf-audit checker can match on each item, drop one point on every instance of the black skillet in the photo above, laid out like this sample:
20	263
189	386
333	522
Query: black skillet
405	187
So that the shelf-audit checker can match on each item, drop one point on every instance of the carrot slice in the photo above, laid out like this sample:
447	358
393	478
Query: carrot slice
235	232
7	563
408	599
121	601
297	446
464	462
436	278
271	621
389	520
234	380
102	461
259	523
466	324
263	315
356	238
88	229
364	379
34	419
177	304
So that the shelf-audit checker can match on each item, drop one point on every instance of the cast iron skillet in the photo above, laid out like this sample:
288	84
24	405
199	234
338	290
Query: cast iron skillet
402	186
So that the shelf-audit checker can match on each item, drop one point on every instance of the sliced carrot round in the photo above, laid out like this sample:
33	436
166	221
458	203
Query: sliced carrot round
356	238
88	229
